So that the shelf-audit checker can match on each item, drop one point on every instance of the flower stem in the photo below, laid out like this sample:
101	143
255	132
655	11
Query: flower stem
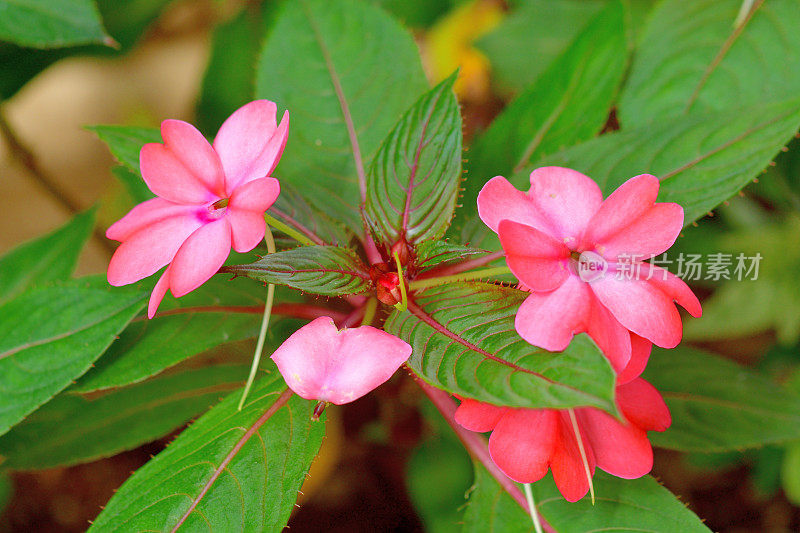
369	311
532	507
288	230
422	284
402	305
577	431
262	334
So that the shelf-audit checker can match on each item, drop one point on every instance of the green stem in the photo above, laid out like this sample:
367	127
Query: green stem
262	334
532	507
582	450
402	305
369	312
465	276
288	230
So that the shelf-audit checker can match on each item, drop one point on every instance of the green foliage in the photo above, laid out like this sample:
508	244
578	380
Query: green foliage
134	184
435	253
51	335
231	470
346	71
701	160
79	428
292	209
413	180
50	23
569	103
125	142
464	342
622	505
717	405
326	270
692	59
48	258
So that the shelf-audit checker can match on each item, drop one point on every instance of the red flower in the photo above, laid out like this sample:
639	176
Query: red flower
526	442
573	251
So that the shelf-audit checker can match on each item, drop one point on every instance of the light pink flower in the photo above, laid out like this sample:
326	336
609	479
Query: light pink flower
563	224
209	198
525	443
320	362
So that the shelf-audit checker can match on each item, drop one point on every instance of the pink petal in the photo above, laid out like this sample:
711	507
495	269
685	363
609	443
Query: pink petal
642	308
256	196
674	287
249	142
646	236
196	154
536	259
522	443
611	337
167	176
499	200
478	416
566	198
550	319
158	294
150	248
320	362
247	229
630	201
620	449
643	406
200	257
144	214
567	463
640	353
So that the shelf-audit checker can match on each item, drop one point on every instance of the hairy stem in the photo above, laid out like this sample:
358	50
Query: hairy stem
463	266
427	283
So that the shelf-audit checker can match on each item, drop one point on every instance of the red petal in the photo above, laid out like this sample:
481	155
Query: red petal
522	443
640	353
550	319
643	406
620	449
200	257
567	463
478	416
538	260
499	200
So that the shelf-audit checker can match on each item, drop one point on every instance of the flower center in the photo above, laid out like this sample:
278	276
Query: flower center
590	265
219	204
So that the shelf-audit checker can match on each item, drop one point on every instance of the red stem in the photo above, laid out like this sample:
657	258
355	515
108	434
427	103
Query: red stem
475	444
449	270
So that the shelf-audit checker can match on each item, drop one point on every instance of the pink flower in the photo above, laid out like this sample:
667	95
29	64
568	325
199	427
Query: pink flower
525	443
582	259
319	362
209	198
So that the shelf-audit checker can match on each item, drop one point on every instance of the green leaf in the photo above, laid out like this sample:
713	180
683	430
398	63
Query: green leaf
413	180
568	104
322	61
80	429
717	405
292	209
125	142
189	326
326	270
51	335
48	258
701	160
692	59
622	505
134	184
465	343
231	470
51	23
532	36
435	253
790	473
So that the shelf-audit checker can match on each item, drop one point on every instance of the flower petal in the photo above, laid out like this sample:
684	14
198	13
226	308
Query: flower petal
652	233
523	441
630	201
478	416
550	319
256	196
674	287
620	449
611	337
247	229
643	406
319	362
158	294
144	214
196	154
149	249
566	198
567	463
640	353
499	200
642	308
249	142
536	259
200	257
